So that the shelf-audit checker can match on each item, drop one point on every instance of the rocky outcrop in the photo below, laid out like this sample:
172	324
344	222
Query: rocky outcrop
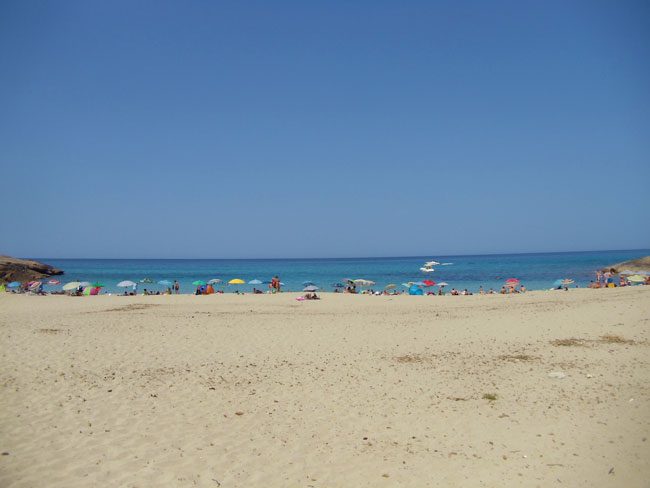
641	264
14	269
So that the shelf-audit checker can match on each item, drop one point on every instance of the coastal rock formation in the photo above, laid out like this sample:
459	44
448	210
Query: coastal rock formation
14	269
641	264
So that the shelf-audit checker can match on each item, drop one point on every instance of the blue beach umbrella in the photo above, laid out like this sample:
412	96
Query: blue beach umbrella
254	282
13	284
165	283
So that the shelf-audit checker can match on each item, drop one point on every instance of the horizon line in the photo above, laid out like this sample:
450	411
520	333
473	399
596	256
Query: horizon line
343	257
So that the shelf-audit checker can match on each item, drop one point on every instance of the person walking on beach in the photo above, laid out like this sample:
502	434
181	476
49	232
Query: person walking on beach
177	287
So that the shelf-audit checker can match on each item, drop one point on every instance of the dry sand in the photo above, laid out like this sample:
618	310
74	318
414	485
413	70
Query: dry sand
354	391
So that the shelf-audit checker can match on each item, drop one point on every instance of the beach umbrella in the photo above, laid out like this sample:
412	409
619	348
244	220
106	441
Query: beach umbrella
254	282
429	283
165	283
98	285
198	283
637	278
442	283
407	285
214	281
13	284
84	283
512	281
363	283
126	284
390	286
236	281
146	280
73	285
54	282
34	284
310	288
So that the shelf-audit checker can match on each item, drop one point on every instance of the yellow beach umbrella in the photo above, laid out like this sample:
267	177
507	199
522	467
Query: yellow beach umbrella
636	278
236	281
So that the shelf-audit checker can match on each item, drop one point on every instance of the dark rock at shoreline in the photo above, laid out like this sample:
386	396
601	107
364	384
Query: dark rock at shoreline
641	264
14	269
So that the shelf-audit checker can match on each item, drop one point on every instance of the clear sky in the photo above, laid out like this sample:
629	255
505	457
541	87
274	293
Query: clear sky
323	129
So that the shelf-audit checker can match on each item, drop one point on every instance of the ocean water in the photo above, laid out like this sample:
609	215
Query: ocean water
536	271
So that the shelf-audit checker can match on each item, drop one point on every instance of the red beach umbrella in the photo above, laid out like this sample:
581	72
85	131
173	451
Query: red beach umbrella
429	283
54	282
512	281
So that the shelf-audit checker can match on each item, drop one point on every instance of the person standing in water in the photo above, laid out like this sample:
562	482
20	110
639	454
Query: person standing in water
275	283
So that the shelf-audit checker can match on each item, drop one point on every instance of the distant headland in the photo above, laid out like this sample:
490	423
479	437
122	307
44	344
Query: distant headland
641	264
15	269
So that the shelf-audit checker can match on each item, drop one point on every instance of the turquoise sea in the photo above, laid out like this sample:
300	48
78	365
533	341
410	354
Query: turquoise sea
536	271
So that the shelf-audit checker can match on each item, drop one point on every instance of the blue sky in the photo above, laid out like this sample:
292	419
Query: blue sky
300	129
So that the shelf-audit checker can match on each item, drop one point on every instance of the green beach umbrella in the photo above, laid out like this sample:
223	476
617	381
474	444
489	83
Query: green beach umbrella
98	285
198	283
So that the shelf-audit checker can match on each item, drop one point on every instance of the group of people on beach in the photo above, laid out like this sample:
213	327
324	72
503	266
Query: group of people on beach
607	279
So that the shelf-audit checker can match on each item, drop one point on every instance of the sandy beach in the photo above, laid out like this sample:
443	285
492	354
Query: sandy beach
355	391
